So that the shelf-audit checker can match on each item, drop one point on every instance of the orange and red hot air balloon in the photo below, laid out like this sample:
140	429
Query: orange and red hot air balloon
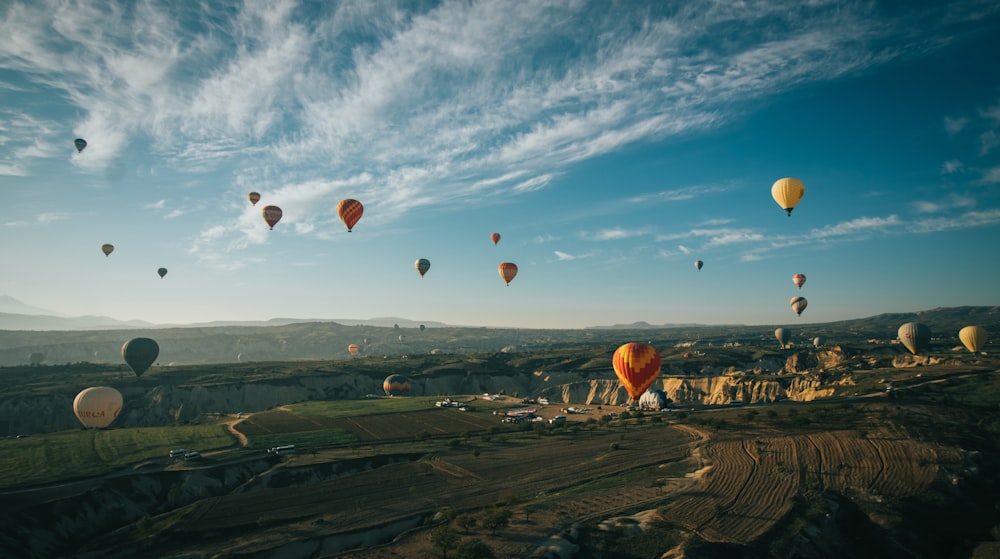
350	212
272	214
495	237
507	271
353	349
637	366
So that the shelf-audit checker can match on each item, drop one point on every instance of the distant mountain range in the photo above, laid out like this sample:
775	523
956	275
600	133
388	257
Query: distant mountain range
15	315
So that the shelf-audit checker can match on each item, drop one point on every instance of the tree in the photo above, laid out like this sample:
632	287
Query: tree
496	519
465	521
472	548
444	538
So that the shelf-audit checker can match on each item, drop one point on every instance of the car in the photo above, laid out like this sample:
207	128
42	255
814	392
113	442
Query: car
558	419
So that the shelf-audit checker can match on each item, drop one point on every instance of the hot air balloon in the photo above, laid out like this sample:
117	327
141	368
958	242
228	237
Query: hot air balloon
272	215
80	143
507	271
396	385
422	327
787	192
783	336
422	265
162	272
653	399
799	280
818	341
914	336
96	407
35	358
107	249
140	353
254	197
400	338
495	237
973	337
698	264
350	212
798	304
637	365
353	349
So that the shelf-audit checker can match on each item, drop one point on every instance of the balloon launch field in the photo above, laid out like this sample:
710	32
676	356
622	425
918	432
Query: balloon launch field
769	445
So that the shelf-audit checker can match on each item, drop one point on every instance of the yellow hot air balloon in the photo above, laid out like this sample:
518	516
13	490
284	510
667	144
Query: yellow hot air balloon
254	197
107	249
96	407
973	338
788	192
637	366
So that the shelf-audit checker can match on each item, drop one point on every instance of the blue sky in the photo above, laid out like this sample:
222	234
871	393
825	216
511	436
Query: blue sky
611	144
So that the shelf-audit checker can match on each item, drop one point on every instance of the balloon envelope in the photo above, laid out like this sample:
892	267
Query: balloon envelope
107	249
783	336
96	407
818	341
422	265
799	280
350	212
272	215
36	358
915	336
698	264
162	272
495	237
637	366
788	192
254	197
973	337
353	349
140	353
396	385
507	271
80	143
798	304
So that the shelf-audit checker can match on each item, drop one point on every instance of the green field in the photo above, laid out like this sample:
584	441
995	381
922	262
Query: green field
84	453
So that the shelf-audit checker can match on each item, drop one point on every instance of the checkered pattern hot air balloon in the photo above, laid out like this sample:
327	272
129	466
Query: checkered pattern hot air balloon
637	366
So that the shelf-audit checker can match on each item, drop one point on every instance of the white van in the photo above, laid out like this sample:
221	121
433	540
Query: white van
558	419
177	453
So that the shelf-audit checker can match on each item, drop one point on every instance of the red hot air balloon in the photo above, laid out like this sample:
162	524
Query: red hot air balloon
507	271
350	212
422	265
495	237
272	214
799	280
637	366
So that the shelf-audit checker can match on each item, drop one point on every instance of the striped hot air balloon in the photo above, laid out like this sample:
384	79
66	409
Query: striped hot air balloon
507	271
272	214
637	366
788	192
396	385
798	304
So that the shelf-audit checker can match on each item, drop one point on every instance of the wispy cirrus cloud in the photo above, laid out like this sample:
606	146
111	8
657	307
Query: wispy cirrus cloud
433	103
